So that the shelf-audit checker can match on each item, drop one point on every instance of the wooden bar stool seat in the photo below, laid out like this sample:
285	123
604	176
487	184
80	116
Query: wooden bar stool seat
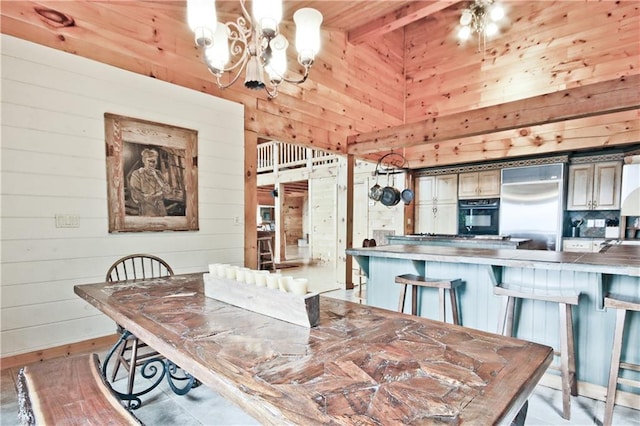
565	298
416	281
621	304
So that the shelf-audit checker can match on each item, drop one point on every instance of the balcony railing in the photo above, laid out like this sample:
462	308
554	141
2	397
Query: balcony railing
277	156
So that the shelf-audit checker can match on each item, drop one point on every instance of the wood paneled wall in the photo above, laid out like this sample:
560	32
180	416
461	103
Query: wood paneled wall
543	48
154	40
53	162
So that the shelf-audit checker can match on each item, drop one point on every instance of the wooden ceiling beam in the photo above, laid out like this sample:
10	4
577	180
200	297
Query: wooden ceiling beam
607	97
392	21
591	133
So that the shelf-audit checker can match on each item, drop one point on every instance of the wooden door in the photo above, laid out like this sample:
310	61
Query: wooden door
580	187
446	219
606	185
489	183
447	189
468	185
425	218
425	189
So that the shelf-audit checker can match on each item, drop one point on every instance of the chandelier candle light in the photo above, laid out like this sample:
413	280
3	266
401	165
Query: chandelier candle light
480	17
253	44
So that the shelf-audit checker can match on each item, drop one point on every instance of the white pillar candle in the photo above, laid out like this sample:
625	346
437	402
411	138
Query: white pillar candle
273	281
241	272
230	272
249	276
213	269
283	283
261	278
221	270
299	286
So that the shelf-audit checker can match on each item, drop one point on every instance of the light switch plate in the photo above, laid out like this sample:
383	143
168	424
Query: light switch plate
590	223
67	221
599	223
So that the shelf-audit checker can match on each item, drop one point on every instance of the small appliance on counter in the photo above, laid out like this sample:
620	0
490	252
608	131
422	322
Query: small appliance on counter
575	227
612	228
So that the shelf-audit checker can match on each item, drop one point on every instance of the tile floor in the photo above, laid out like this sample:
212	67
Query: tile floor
203	406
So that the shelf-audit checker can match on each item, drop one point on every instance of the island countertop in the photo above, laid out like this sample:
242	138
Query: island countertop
620	260
479	241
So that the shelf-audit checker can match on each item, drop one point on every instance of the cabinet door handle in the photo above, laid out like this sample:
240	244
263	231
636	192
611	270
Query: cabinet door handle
595	204
435	209
589	204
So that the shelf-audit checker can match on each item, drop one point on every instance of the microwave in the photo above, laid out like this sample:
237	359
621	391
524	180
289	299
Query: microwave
479	217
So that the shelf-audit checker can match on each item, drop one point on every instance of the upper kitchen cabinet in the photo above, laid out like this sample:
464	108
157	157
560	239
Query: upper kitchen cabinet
437	189
479	184
594	186
437	204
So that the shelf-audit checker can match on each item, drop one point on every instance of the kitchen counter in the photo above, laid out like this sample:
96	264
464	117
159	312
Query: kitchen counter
626	264
616	270
478	241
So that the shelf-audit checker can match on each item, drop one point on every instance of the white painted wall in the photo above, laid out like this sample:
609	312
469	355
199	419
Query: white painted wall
53	162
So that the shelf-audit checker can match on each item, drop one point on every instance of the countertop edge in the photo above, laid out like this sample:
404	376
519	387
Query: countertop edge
585	262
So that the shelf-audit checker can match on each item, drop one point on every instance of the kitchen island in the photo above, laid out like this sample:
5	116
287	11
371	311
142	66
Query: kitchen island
477	241
617	270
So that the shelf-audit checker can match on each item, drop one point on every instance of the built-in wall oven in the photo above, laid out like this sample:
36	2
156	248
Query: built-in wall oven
479	217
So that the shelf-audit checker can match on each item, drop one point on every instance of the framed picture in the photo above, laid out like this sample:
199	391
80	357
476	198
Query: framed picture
152	175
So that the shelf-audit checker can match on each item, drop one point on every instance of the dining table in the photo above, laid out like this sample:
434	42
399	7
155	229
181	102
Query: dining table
360	365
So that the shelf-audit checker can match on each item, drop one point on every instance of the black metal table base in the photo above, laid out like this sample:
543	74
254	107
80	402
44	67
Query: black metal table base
154	369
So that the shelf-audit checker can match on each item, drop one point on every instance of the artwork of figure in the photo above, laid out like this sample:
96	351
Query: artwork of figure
148	187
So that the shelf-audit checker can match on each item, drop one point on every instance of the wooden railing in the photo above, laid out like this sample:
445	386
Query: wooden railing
275	156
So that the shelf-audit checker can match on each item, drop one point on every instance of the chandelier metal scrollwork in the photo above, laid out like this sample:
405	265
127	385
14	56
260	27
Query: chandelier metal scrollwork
481	17
253	44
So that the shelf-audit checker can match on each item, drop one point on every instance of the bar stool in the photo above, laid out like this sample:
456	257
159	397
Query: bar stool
362	277
565	300
265	253
621	304
416	281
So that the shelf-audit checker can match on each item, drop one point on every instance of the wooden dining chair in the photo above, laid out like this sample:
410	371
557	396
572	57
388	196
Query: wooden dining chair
132	352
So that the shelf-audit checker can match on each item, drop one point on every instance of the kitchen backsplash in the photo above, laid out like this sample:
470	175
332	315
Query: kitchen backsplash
583	218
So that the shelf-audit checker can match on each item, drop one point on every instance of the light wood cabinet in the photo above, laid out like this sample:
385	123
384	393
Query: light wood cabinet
437	219
479	184
437	204
594	186
437	189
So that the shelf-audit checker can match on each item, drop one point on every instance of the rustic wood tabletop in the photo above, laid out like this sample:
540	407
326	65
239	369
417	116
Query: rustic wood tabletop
359	365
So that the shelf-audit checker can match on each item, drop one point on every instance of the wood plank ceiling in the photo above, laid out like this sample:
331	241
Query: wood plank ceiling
391	73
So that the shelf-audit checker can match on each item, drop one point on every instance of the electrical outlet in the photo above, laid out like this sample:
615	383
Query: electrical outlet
67	221
600	223
590	223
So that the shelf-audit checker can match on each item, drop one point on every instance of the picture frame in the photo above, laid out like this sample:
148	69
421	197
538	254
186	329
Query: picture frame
152	175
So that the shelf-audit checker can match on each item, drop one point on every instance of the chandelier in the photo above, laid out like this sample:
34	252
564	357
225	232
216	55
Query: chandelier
480	17
253	44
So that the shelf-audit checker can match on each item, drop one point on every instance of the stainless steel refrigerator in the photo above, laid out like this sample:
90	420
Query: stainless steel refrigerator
531	204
